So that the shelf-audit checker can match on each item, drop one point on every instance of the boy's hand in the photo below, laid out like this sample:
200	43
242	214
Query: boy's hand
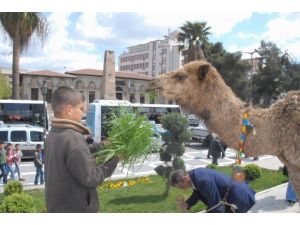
120	157
89	140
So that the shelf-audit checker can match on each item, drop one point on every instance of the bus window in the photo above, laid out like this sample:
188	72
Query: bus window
177	110
36	136
18	136
3	136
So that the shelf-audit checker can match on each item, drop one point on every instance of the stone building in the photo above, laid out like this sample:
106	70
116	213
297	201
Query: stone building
129	86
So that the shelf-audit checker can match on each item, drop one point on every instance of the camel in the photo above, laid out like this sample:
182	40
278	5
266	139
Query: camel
199	89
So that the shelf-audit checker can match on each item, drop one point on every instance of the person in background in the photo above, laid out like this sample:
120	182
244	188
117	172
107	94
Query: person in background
38	163
215	149
10	161
290	195
3	162
219	192
224	146
19	155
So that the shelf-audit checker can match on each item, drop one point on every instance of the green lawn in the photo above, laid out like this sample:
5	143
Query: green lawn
148	198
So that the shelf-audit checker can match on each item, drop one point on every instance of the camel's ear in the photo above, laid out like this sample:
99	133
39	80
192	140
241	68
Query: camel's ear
203	70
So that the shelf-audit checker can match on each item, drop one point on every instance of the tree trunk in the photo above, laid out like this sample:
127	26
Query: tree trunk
15	68
167	189
199	52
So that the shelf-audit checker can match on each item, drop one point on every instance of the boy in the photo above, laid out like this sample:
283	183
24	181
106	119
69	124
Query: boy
214	188
10	161
38	163
19	155
3	162
72	174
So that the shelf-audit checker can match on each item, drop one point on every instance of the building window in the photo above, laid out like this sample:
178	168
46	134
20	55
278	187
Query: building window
132	98
91	96
34	94
49	95
142	98
119	96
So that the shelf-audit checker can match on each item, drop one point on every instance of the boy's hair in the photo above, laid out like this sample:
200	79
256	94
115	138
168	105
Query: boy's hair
38	146
63	96
17	145
176	177
9	144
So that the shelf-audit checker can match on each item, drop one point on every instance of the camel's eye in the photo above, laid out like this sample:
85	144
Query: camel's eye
179	77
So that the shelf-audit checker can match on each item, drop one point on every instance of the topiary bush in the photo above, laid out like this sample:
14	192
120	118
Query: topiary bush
17	203
212	166
178	164
13	187
252	172
175	136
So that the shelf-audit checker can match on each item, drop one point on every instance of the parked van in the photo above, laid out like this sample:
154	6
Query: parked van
27	136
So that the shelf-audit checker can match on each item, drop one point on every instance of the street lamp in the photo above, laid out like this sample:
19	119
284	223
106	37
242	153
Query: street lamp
251	73
44	90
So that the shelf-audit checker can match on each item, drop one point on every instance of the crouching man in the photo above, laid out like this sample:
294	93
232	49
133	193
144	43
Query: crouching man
219	192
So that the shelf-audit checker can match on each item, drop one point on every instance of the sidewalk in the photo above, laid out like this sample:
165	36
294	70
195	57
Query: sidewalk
272	200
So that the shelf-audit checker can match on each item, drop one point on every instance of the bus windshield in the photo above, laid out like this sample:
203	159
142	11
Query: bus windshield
25	113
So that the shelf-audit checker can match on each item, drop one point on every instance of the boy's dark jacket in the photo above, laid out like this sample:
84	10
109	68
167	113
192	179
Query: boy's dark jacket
71	173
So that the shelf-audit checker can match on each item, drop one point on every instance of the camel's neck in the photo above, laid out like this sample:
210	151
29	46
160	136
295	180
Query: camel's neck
222	112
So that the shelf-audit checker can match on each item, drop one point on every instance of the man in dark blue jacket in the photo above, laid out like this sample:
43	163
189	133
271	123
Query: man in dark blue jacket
219	192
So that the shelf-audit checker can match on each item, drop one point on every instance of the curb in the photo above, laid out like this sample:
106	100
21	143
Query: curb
271	189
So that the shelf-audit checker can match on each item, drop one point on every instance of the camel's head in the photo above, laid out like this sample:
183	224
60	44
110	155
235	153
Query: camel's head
187	82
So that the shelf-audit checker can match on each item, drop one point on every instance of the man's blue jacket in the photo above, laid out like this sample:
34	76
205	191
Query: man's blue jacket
210	187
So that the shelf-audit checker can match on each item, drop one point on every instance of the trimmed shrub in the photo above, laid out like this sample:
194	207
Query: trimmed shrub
17	203
178	164
13	187
175	136
165	156
252	172
212	166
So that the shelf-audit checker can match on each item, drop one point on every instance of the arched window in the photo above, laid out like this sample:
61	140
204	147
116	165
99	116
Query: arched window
142	94
132	93
92	91
79	85
119	93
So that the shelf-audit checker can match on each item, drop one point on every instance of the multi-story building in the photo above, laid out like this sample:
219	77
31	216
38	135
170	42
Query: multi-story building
152	58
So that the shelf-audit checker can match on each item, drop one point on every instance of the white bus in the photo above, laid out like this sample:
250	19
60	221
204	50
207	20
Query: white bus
30	112
23	122
99	112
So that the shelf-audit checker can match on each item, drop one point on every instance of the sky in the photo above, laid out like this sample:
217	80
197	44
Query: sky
78	40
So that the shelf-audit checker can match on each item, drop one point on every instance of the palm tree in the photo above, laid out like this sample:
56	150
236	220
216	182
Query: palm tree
194	35
20	27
